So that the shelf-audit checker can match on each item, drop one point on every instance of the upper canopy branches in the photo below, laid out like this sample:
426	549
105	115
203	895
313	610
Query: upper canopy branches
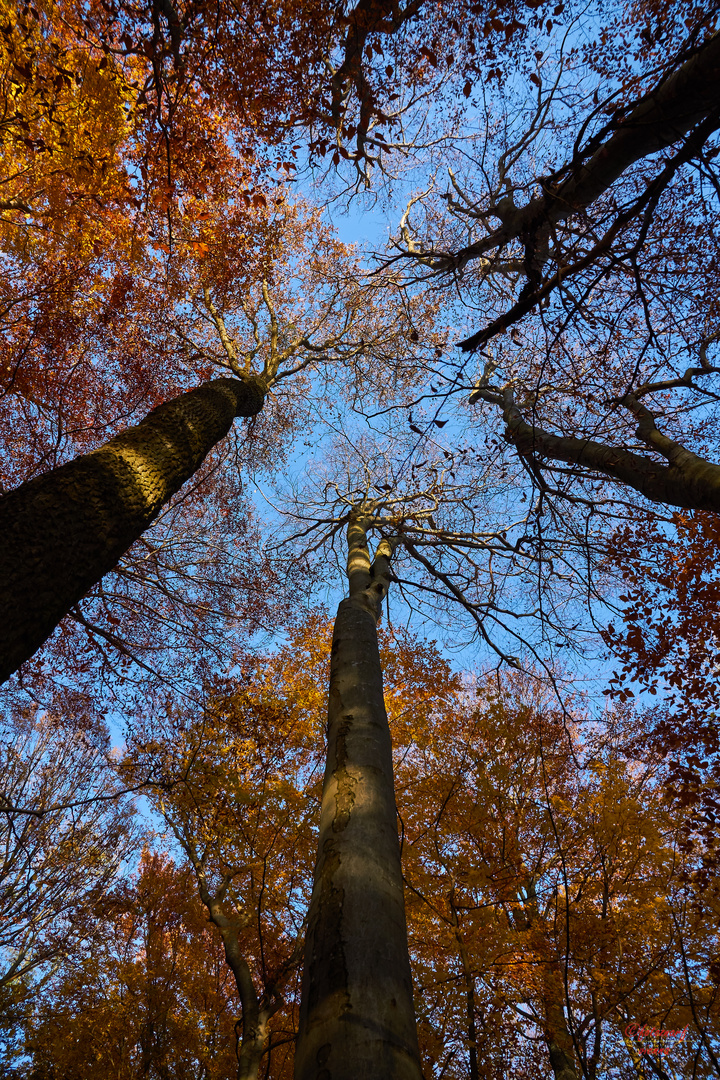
455	540
583	226
565	224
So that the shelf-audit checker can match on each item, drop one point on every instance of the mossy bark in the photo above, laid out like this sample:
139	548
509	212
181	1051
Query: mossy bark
60	532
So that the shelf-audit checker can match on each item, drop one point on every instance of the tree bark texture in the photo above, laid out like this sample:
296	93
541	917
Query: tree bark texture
356	1017
254	1018
60	532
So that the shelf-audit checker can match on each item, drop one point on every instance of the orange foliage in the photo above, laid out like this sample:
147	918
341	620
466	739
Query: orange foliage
148	995
669	642
549	898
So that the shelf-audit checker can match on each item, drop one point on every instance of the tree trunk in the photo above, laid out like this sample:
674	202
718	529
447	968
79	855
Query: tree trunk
356	1017
469	990
254	1018
62	531
555	1028
559	1043
252	1030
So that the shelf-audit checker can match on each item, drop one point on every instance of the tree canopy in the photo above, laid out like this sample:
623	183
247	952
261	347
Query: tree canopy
407	309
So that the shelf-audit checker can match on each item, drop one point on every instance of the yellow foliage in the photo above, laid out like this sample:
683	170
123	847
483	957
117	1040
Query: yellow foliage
67	113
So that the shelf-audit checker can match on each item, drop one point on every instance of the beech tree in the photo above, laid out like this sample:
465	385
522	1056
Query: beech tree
602	250
239	785
590	266
237	794
356	1016
361	492
267	334
79	519
171	177
157	51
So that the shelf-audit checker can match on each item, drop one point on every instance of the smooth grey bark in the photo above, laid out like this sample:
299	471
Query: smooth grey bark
255	1017
357	1018
253	1026
61	532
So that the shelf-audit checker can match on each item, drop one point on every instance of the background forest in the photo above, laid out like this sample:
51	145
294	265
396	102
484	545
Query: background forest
410	307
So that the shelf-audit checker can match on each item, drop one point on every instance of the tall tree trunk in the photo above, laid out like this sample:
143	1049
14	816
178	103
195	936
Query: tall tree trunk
356	1016
62	531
